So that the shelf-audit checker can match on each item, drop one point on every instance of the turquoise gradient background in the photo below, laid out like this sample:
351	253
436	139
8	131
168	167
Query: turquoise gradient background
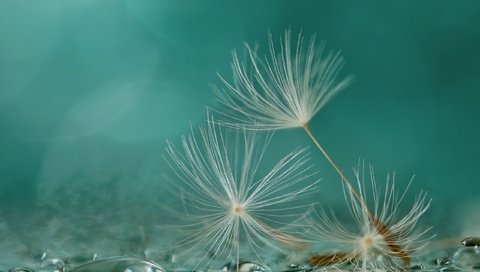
94	89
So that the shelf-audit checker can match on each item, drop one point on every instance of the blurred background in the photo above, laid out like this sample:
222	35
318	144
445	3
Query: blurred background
91	90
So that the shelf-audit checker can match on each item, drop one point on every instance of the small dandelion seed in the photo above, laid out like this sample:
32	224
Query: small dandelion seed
372	246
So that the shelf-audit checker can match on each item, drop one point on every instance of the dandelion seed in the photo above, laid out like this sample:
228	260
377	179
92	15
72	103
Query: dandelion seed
231	206
283	91
373	245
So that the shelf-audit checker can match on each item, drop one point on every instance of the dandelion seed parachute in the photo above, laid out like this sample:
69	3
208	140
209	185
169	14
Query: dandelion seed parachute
231	206
370	246
284	90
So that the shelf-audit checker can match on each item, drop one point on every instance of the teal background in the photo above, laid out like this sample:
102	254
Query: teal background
91	90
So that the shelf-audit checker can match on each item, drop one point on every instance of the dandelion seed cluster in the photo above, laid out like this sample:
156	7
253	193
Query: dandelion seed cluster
237	213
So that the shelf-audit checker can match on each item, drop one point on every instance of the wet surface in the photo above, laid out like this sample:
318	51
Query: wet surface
460	259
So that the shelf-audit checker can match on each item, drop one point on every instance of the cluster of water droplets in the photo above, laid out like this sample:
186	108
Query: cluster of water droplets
465	257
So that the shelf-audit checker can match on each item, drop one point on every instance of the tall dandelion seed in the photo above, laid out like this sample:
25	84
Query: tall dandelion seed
371	246
285	90
231	207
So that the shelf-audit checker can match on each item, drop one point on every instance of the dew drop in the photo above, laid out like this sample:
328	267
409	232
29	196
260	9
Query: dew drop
119	264
449	269
298	268
244	266
442	261
21	269
417	267
471	242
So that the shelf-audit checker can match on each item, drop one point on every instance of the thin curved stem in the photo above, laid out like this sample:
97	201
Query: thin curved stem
344	178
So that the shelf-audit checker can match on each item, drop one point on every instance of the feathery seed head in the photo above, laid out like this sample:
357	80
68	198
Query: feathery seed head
283	90
231	204
389	241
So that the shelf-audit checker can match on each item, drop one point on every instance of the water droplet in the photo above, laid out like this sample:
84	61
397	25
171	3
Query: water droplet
244	266
298	268
417	267
119	264
442	261
471	242
21	269
54	264
449	269
54	261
